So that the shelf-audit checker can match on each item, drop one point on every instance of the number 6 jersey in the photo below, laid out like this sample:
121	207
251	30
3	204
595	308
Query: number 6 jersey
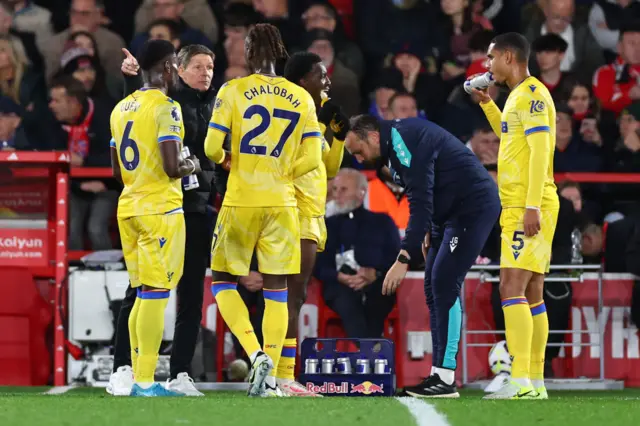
275	138
139	124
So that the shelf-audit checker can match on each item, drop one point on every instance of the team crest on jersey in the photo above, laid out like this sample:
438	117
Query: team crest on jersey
218	103
175	114
536	107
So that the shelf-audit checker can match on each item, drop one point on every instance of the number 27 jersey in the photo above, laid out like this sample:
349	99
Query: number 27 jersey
267	119
139	124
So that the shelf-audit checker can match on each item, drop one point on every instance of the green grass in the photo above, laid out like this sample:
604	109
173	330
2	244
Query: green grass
86	406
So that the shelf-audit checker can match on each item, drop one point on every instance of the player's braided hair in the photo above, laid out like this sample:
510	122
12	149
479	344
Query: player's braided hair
264	44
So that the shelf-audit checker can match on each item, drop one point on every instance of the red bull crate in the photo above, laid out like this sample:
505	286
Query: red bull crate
331	368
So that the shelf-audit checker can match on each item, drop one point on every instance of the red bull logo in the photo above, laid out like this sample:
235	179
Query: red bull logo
367	388
329	388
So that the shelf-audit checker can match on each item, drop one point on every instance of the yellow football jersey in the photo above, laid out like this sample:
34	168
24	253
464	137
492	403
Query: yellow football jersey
139	123
267	119
525	163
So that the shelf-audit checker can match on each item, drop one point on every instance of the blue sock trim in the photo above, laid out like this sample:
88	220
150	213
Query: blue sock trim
537	310
219	286
279	295
289	352
154	294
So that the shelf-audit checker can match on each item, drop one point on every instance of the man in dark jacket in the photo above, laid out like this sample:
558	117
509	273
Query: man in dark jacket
83	129
196	96
453	205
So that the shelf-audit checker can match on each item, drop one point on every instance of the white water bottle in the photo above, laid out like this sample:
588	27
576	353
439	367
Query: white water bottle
480	82
189	182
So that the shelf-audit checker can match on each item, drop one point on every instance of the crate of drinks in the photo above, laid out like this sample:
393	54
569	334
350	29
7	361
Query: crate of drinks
331	370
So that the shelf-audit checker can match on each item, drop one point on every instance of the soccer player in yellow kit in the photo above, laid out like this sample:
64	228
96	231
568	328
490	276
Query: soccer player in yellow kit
528	194
306	70
147	133
275	138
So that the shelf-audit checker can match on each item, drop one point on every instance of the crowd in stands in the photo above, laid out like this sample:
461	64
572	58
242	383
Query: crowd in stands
60	75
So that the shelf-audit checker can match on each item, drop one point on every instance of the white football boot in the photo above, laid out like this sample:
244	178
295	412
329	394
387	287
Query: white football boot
121	381
292	388
183	384
260	369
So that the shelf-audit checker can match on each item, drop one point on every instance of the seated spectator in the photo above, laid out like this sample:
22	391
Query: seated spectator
196	14
605	20
586	211
165	29
24	41
478	46
83	129
574	153
345	89
239	18
626	159
616	85
356	259
388	84
583	55
278	14
31	18
403	105
85	15
485	144
171	10
81	65
322	15
615	244
550	50
25	87
13	135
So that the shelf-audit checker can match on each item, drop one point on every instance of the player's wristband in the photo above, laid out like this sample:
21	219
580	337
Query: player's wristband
533	208
193	165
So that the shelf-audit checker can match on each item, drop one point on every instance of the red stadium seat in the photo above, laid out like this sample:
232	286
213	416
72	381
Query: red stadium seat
24	318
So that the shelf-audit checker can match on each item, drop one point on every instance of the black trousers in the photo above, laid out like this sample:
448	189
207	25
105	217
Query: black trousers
190	292
362	312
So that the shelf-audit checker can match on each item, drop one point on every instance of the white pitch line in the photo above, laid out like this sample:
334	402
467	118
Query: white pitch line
423	412
58	390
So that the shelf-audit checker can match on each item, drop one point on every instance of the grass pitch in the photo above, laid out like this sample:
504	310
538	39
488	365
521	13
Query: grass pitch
93	407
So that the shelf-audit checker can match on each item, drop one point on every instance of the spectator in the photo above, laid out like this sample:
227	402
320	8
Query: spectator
573	153
403	105
165	29
171	10
585	211
583	55
615	244
277	13
194	14
485	144
322	15
13	135
24	42
389	83
83	129
239	18
355	261
344	83
85	15
80	64
626	159
550	50
605	20
31	18
616	85
478	46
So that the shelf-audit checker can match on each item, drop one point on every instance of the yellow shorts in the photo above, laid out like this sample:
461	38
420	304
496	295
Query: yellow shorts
530	253
314	229
153	248
273	232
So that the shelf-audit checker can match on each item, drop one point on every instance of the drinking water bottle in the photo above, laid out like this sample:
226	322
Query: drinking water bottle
189	182
480	82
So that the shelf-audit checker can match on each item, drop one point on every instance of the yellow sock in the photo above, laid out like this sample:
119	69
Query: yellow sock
133	335
539	340
519	331
287	364
275	323
150	327
235	314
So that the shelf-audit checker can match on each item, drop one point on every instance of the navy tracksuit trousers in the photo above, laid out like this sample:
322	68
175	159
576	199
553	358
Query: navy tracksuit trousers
455	245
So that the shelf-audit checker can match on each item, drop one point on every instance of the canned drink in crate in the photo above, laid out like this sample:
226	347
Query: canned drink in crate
363	366
327	365
311	366
344	366
380	366
191	181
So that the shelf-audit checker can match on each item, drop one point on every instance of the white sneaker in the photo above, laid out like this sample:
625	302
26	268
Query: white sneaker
183	384
121	382
498	382
292	388
260	369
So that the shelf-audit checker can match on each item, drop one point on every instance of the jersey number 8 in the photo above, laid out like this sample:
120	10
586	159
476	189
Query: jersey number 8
127	142
245	143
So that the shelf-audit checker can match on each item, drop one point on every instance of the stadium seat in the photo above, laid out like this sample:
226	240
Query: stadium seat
24	319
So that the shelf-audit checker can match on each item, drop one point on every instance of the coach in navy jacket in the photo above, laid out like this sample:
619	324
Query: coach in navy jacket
453	205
